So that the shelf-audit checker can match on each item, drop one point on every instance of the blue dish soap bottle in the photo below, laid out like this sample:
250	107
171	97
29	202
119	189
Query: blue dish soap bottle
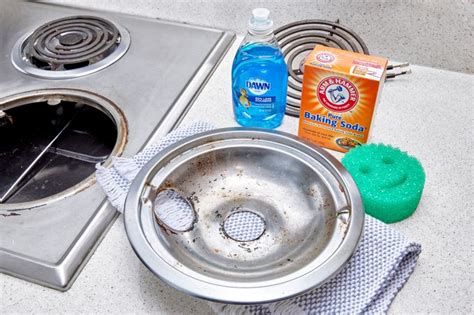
259	76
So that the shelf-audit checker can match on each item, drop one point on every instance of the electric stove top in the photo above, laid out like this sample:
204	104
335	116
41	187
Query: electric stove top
76	88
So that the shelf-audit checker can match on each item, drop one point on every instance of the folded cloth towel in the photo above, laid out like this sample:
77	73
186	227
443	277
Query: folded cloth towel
116	180
368	283
381	265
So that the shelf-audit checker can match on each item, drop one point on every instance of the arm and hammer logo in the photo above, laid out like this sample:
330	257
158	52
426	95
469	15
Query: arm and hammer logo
325	57
337	94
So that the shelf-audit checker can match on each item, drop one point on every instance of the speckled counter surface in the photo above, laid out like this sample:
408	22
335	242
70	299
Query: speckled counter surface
428	113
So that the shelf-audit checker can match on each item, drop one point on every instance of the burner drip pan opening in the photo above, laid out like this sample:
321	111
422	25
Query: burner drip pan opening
51	143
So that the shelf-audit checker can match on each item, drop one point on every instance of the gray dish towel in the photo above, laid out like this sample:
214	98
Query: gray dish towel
381	265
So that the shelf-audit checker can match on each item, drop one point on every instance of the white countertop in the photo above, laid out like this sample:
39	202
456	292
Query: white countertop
428	113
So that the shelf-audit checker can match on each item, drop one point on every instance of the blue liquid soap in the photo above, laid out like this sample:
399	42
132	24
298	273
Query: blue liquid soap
259	76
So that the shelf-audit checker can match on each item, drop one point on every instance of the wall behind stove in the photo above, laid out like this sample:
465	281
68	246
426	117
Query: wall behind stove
436	33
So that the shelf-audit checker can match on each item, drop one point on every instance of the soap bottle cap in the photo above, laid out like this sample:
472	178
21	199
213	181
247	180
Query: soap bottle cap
259	23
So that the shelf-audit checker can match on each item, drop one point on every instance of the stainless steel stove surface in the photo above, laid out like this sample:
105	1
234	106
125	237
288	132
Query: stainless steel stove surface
75	88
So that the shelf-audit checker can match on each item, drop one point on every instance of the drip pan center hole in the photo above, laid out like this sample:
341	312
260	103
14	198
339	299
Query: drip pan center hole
244	226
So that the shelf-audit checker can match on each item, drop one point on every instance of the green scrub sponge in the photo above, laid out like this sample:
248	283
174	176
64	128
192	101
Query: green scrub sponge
389	180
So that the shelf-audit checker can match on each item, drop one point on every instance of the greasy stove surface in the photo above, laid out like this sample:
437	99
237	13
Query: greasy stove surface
149	87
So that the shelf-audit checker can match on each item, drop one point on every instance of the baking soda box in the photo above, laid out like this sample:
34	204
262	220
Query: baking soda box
340	92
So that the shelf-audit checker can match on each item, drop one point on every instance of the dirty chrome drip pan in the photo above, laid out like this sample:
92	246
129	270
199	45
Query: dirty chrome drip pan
274	216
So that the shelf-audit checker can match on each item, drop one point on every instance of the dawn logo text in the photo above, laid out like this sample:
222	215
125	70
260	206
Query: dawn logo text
257	86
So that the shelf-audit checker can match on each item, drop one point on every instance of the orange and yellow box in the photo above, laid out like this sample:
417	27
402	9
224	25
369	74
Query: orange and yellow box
341	90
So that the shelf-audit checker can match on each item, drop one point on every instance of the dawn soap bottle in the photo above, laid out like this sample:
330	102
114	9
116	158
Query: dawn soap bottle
259	76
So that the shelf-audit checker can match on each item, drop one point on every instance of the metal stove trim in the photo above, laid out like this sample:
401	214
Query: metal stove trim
61	275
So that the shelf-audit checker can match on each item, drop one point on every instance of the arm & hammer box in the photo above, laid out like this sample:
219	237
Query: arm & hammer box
341	90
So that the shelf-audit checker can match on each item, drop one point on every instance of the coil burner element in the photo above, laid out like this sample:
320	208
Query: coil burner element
70	47
298	39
